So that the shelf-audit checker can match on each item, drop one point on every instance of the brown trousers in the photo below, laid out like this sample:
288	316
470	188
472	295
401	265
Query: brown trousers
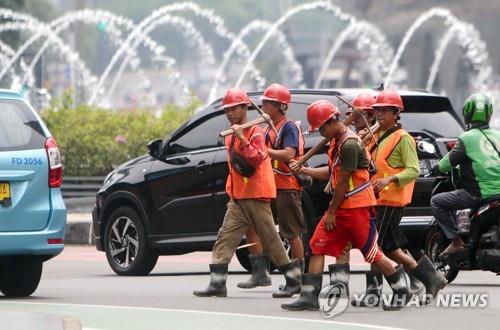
241	215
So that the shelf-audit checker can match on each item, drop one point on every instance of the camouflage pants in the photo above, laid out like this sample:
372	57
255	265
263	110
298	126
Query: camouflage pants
241	215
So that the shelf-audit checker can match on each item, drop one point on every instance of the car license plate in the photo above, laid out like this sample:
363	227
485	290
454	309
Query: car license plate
4	191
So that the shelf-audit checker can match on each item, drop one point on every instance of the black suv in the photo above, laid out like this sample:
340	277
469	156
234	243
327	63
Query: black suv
172	200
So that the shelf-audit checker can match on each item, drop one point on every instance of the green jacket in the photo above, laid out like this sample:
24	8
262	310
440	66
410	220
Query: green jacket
479	161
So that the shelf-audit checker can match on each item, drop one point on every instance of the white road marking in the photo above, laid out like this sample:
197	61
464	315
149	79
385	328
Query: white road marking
152	309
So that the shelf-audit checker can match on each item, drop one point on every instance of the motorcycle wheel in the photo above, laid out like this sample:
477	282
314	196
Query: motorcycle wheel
435	243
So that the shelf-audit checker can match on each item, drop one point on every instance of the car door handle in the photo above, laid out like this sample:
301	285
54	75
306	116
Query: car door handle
202	165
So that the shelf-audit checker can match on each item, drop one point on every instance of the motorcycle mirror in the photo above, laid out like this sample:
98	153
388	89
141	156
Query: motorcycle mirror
427	147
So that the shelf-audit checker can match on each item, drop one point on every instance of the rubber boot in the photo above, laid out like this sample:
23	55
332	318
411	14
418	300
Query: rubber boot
417	289
302	267
340	274
308	299
401	292
428	275
217	286
371	298
292	277
416	286
260	272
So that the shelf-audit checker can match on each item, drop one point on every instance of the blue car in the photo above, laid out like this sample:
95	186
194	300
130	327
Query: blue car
32	211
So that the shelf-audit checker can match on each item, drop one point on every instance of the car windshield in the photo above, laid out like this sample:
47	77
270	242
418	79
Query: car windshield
438	124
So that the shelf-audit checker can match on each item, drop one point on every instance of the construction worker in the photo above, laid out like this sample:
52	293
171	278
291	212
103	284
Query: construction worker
350	215
478	154
397	166
285	144
364	102
250	186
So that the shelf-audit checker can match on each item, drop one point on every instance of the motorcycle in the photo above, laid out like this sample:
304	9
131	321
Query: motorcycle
479	228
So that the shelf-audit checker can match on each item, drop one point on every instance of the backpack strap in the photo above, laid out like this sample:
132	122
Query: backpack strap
383	137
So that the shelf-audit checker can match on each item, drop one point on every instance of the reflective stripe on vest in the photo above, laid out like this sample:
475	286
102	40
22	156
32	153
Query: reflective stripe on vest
260	185
360	193
391	195
284	178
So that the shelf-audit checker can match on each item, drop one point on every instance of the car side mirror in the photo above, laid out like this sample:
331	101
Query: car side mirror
155	148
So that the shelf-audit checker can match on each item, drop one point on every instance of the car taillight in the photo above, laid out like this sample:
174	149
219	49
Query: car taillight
55	163
55	241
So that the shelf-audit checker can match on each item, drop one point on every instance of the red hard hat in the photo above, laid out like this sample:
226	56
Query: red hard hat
235	96
364	101
389	98
319	112
278	93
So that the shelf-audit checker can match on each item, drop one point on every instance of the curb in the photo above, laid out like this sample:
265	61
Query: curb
79	229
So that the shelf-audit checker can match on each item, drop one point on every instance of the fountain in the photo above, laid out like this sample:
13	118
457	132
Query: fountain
288	55
469	39
476	53
378	57
325	5
189	32
372	44
213	19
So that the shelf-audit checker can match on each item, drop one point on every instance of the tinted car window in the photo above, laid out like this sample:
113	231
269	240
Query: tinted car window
203	134
19	128
439	124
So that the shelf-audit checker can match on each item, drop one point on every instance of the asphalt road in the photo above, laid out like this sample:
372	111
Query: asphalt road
80	284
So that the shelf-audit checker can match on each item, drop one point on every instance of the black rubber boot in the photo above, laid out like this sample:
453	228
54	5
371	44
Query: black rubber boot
429	276
417	288
371	298
260	272
302	267
292	277
340	274
401	292
217	286
308	299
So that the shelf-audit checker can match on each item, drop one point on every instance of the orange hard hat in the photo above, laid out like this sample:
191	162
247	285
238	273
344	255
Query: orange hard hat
364	101
389	98
278	93
235	96
319	112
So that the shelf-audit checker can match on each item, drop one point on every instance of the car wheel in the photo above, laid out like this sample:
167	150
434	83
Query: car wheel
127	250
20	276
434	245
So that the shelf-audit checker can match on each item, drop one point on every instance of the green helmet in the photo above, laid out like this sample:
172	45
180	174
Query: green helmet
478	108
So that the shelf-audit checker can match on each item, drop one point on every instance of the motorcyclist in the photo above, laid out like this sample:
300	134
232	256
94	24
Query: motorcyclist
478	157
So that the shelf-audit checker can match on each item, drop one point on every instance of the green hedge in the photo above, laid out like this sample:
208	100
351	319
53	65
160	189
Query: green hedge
94	140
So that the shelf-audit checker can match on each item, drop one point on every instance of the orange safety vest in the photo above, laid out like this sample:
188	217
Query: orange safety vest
282	175
260	185
360	191
391	195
